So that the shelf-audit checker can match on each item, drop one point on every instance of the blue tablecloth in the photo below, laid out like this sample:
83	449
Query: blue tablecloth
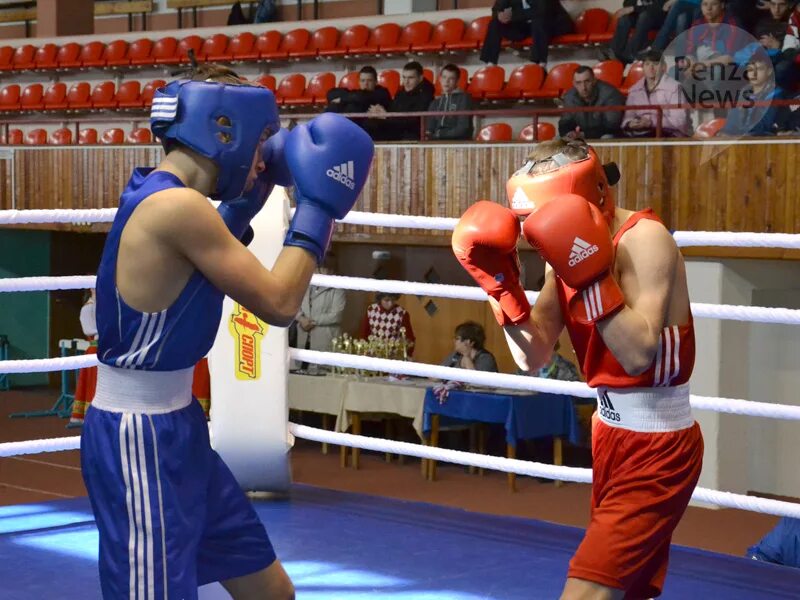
524	417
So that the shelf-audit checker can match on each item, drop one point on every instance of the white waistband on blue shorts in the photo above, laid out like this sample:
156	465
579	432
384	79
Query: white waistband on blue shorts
153	392
646	409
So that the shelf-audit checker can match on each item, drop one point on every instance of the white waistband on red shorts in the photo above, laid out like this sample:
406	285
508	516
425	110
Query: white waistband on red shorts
153	392
646	409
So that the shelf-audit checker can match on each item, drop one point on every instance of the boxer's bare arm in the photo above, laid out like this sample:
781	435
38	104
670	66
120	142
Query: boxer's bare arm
646	263
170	237
531	343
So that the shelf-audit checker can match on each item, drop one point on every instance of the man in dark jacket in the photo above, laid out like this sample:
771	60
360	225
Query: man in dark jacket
587	90
518	19
453	98
369	94
640	17
415	96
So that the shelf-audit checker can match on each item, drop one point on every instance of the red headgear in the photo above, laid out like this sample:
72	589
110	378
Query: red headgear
585	177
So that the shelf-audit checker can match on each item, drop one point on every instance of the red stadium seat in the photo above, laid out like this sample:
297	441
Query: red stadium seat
6	56
290	89
15	137
318	87
449	31
129	95
463	81
113	136
635	73
352	37
36	137
9	98
241	43
266	42
486	80
69	56
46	57
350	81
149	91
181	52
710	128
295	40
558	81
24	57
216	45
522	82
104	95
61	137
87	136
164	50
589	22
92	55
390	79
141	52
116	54
496	132
55	98
473	36
31	98
610	71
418	32
383	35
268	81
547	131
605	36
79	96
322	39
427	74
140	136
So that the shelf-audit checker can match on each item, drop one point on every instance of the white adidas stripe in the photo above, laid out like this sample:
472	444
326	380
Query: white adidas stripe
125	464
582	243
659	358
350	169
161	319
676	358
160	509
148	519
595	289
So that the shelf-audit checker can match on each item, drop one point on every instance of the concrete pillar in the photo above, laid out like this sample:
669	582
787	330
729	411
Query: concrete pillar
64	17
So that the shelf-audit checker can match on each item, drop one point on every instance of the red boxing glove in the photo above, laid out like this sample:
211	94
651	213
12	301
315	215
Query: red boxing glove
572	235
485	243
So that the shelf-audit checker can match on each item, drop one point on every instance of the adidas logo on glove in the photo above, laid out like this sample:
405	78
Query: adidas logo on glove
581	250
343	173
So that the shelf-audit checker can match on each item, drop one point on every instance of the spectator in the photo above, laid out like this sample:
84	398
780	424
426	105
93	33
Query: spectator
786	68
416	95
755	120
708	42
453	98
87	378
559	368
384	318
468	351
655	88
787	120
781	546
369	94
517	20
587	90
641	16
680	14
320	316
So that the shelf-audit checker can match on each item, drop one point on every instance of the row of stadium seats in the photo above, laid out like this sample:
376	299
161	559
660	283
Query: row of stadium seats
593	26
527	82
65	137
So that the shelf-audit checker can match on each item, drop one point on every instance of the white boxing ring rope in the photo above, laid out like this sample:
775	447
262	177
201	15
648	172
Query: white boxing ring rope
520	467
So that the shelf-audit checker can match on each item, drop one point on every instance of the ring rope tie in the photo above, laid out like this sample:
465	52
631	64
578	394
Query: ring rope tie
753	314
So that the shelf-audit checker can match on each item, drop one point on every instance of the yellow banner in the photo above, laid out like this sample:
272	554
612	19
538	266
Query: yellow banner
247	331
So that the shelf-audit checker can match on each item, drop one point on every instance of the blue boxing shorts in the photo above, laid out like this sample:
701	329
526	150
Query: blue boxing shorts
170	513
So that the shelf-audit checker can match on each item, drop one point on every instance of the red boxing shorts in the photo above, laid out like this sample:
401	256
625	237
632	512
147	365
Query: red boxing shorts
642	484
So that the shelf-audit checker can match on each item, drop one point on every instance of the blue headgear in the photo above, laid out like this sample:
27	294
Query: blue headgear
218	121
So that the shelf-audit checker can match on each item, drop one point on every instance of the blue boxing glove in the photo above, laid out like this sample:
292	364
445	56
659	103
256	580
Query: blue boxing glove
330	158
238	213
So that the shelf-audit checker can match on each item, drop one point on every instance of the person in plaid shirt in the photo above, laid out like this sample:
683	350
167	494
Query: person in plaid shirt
384	318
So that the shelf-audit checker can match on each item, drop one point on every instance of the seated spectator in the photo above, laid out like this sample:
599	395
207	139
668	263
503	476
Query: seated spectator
517	20
680	15
453	98
468	351
587	90
384	318
559	368
755	120
781	546
786	67
416	95
641	17
369	94
787	120
655	88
